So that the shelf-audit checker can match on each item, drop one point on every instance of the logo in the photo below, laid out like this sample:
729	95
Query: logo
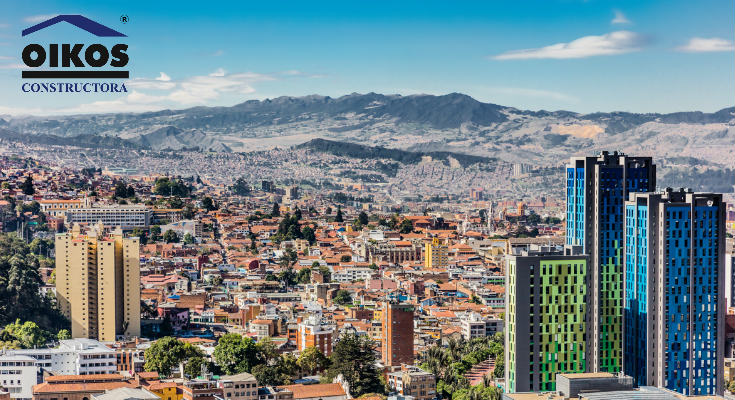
98	61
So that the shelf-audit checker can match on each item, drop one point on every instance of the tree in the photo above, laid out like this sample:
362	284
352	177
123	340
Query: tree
235	354
143	235
265	375
241	187
208	204
328	211
304	276
188	239
170	237
193	366
326	273
406	226
354	358
339	217
313	360
167	353
27	335
362	218
121	190
27	186
155	233
276	212
130	192
63	335
20	287
342	297
308	233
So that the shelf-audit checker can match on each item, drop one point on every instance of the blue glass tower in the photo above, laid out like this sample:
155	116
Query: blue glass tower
597	188
674	291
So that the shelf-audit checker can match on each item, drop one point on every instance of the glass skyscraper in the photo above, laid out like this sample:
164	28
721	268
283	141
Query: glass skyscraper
674	291
597	187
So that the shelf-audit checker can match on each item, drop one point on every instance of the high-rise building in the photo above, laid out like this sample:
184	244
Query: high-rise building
397	343
545	319
436	254
597	187
98	282
311	333
674	291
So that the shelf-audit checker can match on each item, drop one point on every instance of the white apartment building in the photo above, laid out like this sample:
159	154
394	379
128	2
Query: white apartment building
125	216
18	374
74	357
351	274
475	326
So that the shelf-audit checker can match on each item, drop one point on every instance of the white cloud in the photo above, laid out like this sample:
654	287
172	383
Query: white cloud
4	25
218	53
163	77
12	66
620	18
5	58
703	45
218	72
612	43
34	19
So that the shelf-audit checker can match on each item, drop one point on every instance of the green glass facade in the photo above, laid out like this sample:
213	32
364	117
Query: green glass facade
546	325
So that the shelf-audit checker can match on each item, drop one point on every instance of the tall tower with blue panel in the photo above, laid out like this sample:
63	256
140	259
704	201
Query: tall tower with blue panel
597	187
675	291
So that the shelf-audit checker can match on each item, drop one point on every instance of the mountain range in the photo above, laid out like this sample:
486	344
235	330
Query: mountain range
454	123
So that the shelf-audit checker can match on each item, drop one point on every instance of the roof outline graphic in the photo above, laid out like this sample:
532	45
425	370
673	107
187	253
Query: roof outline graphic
80	22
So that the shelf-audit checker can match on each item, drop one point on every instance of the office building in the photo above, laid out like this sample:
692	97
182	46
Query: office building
546	318
730	280
674	291
311	333
125	216
98	282
73	357
18	374
597	187
397	340
436	254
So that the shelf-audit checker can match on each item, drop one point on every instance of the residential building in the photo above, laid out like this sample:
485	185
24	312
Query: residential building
546	318
73	357
273	393
98	282
436	254
597	187
124	216
79	387
675	291
242	386
18	374
58	207
397	340
202	389
125	393
312	333
475	326
320	391
413	381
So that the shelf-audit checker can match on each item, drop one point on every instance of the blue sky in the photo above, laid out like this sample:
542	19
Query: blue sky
639	56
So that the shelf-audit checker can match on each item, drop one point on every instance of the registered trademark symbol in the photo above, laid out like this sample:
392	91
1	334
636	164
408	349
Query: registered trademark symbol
124	18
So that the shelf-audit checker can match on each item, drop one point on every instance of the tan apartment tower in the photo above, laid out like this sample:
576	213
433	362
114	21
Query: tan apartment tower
98	282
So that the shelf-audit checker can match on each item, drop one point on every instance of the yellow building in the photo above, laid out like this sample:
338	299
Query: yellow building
98	282
436	254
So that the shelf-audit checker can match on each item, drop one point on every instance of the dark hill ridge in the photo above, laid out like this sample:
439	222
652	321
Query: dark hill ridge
359	151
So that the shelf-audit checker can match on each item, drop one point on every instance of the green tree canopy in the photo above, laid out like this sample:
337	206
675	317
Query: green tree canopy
170	237
27	186
354	358
235	354
312	360
343	297
167	353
